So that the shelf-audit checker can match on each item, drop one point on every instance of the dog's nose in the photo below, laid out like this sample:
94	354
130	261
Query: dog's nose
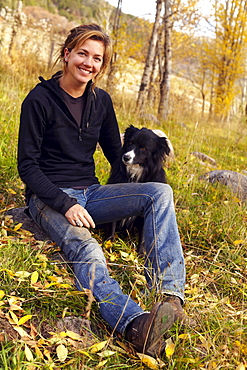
126	157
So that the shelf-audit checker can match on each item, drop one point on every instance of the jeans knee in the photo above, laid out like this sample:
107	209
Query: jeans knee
161	190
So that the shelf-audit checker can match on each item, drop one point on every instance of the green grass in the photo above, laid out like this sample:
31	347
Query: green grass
212	225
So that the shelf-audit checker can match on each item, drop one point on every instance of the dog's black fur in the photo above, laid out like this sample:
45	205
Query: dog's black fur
142	160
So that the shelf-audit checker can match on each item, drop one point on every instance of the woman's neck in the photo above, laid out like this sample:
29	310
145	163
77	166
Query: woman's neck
71	89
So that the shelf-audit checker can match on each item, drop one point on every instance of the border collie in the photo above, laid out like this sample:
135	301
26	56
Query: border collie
144	152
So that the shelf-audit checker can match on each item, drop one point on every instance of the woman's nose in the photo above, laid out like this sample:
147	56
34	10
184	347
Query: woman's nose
88	60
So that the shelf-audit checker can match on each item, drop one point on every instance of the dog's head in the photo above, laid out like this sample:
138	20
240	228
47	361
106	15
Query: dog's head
142	146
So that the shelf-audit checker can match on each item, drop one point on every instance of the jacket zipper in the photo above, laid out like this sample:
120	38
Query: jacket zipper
80	131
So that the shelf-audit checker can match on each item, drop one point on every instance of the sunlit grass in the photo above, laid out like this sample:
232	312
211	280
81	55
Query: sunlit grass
212	225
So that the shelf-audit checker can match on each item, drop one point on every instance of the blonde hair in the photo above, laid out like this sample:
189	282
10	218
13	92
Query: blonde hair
78	35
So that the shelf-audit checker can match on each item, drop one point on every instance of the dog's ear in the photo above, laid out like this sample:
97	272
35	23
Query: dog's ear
129	132
163	146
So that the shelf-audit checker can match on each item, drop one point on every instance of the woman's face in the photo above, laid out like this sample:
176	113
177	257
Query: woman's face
84	63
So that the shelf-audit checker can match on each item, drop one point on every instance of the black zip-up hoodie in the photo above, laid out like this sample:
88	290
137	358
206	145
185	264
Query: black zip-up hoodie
53	152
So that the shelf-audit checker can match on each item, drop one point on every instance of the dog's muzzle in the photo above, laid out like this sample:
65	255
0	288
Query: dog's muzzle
128	157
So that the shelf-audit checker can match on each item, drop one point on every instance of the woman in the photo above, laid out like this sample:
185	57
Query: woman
62	120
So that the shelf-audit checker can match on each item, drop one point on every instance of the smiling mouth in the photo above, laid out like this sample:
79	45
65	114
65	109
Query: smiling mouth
84	70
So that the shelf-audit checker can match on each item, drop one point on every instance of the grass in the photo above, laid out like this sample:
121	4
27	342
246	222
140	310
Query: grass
212	225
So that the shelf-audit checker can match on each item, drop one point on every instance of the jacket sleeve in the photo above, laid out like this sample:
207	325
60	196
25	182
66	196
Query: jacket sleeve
32	127
109	140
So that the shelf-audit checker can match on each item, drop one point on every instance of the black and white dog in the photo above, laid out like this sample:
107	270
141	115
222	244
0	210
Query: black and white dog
144	152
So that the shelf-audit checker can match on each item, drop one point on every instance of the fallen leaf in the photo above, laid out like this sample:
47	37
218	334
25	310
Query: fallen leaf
13	317
148	361
28	353
22	274
2	294
38	352
184	336
62	352
97	347
17	227
11	191
170	347
73	335
34	277
22	332
106	353
238	242
241	367
85	353
101	364
24	319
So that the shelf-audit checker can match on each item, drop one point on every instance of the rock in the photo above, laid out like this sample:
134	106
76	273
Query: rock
235	181
20	215
150	117
7	333
205	158
79	326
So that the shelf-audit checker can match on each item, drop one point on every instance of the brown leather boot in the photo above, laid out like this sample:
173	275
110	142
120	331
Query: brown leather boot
146	332
179	314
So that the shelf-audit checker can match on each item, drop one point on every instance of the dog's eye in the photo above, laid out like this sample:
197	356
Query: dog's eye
130	142
143	148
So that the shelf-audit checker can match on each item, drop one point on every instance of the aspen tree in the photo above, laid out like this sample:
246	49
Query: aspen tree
231	32
149	60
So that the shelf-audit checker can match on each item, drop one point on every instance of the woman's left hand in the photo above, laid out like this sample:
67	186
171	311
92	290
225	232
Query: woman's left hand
79	216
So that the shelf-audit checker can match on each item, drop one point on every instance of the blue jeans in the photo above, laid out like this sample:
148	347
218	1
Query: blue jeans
165	270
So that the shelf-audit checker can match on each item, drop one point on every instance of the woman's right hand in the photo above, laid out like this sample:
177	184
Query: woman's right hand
79	216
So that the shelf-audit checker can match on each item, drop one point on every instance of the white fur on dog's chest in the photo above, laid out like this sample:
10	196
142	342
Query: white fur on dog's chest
135	171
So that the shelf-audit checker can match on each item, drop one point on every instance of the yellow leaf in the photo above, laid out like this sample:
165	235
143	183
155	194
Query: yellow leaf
14	317
101	364
17	227
113	257
2	294
34	277
106	353
64	312
237	242
28	353
62	352
22	332
97	347
8	272
241	367
108	244
192	290
15	303
73	335
170	347
86	354
124	254
38	352
184	336
24	319
22	274
42	257
148	361
47	354
188	360
11	191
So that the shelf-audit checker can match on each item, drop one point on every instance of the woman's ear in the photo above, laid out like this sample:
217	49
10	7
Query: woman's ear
66	54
